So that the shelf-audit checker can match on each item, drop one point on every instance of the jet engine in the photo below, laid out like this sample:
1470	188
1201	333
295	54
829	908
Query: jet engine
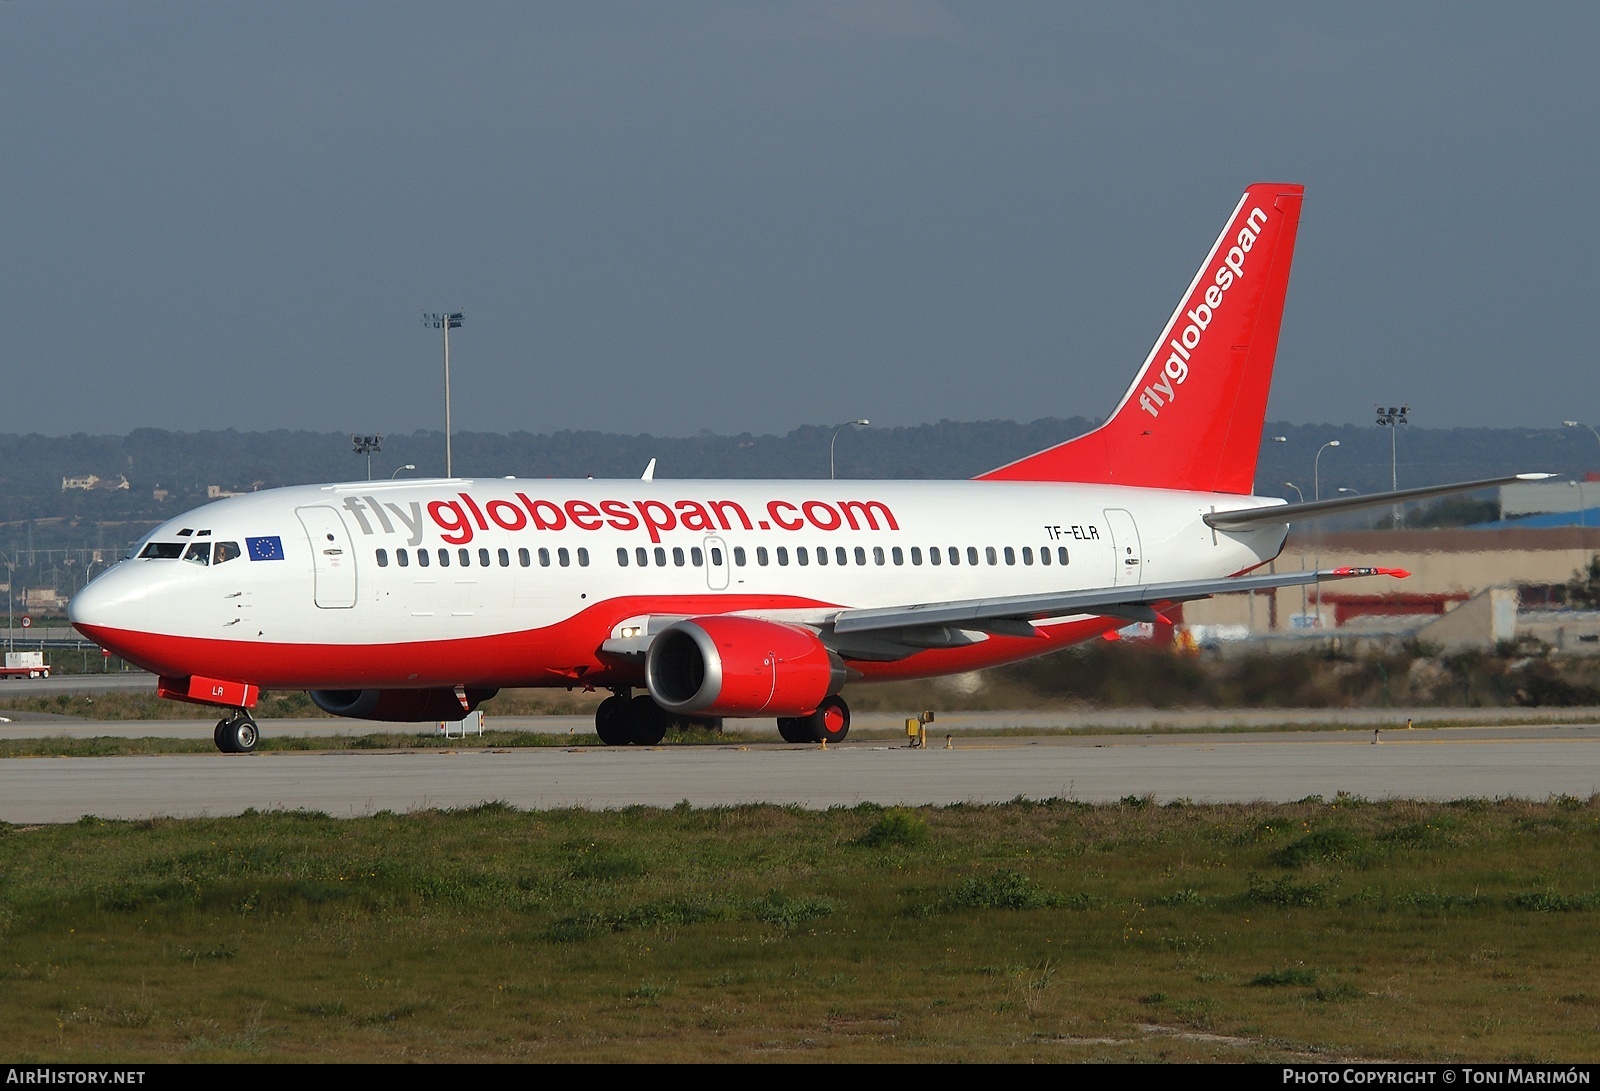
739	666
398	705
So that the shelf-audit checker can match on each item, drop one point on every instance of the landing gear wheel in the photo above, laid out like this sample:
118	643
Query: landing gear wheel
829	723
237	734
646	722
796	729
832	719
611	720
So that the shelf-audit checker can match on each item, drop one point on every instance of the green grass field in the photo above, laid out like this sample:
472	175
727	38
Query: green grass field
1053	931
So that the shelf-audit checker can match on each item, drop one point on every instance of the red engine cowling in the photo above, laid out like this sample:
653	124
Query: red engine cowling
398	705
740	666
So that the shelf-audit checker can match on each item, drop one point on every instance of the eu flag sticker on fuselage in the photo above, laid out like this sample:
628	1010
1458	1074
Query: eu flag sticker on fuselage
264	549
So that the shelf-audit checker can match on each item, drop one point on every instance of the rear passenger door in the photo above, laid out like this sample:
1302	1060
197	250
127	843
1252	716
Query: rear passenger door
1127	552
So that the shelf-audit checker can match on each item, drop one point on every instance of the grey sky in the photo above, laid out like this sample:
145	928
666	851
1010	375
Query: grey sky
669	217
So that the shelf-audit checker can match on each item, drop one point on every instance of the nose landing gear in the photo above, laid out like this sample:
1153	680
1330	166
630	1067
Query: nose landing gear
237	733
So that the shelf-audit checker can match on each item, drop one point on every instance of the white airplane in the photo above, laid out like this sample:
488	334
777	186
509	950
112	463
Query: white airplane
418	600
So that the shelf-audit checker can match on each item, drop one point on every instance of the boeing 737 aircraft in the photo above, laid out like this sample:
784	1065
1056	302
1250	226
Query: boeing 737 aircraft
418	600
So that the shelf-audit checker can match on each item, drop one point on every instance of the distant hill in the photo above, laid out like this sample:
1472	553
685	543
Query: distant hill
184	464
58	537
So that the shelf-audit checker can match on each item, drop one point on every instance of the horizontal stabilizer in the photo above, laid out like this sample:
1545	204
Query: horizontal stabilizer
1281	514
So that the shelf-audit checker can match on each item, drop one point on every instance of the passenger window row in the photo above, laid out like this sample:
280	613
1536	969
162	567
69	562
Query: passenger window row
465	557
936	555
658	556
694	556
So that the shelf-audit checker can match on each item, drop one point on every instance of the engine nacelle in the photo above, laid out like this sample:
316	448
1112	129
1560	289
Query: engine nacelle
739	666
398	705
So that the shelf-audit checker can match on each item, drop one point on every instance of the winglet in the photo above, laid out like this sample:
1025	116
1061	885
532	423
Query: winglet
1346	571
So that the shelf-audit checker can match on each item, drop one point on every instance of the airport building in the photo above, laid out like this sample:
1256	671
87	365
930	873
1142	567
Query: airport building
1469	588
1550	503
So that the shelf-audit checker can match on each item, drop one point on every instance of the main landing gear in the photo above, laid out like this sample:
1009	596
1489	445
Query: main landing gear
622	720
829	723
625	720
237	733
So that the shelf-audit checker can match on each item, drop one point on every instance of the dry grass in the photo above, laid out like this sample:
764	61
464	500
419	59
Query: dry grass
1095	675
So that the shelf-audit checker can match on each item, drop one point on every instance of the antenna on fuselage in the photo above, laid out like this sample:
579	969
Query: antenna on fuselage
649	472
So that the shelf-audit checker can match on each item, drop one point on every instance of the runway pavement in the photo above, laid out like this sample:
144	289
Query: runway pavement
115	681
1488	761
33	724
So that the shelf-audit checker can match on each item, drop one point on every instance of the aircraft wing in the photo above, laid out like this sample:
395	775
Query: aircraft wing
890	633
1014	614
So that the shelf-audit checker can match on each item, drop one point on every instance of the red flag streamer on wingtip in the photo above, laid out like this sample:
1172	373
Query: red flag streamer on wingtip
1352	570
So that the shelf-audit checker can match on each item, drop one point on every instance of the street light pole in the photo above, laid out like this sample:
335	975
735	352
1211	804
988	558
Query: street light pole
862	423
446	322
1316	469
1302	496
11	578
1580	424
407	466
1583	500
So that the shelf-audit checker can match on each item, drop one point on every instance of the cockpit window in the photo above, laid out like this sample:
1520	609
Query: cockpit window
199	553
225	551
163	551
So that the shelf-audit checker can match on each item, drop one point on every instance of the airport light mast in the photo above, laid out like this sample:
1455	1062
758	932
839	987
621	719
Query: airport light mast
367	445
1392	418
446	322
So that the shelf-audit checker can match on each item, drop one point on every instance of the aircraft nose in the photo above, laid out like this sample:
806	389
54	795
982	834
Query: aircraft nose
117	600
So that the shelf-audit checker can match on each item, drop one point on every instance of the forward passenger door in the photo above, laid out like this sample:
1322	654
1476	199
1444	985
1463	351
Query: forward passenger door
333	558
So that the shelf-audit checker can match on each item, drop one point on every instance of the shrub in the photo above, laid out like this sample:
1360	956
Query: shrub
898	826
1292	975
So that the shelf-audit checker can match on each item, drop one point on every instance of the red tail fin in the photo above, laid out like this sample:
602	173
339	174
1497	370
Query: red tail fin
1193	417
